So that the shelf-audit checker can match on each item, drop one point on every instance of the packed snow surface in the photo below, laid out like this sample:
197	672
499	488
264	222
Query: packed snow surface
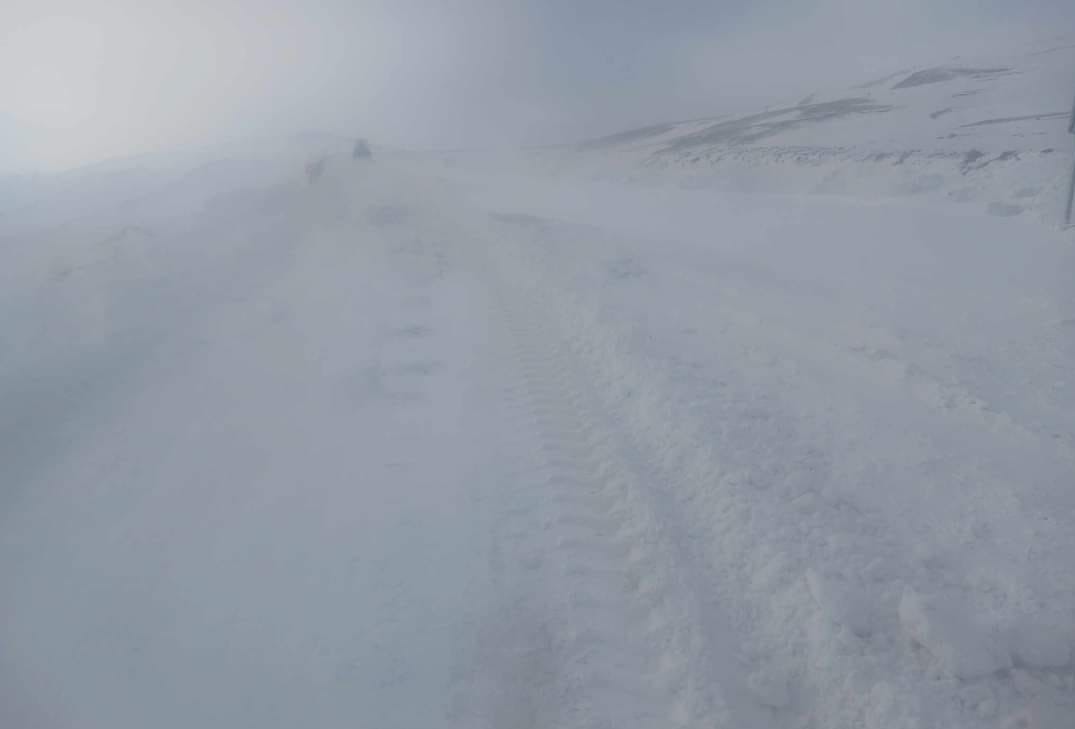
429	445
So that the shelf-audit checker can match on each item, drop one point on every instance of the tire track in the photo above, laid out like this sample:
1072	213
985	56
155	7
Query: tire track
600	621
794	588
631	650
741	672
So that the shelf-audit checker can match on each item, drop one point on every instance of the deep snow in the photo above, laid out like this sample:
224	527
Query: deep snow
462	445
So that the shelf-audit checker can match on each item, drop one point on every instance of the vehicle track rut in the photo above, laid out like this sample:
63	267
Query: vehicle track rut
631	639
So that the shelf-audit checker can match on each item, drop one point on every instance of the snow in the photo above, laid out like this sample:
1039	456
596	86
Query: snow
1041	645
844	604
948	630
498	443
850	391
993	142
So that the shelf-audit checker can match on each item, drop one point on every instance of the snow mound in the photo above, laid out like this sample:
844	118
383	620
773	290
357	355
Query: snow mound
945	628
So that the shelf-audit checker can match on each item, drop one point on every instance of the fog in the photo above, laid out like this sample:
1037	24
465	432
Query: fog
83	81
761	422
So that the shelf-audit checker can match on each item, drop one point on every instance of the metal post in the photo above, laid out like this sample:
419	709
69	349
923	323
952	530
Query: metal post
1071	127
1071	185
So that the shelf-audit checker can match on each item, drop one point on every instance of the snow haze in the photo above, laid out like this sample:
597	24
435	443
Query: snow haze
655	365
83	81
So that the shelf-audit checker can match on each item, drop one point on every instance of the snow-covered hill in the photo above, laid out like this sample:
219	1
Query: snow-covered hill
988	132
170	184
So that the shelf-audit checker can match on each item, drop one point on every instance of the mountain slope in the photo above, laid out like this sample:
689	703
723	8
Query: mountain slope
991	132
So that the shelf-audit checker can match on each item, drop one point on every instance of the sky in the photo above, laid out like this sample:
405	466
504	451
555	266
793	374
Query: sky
86	80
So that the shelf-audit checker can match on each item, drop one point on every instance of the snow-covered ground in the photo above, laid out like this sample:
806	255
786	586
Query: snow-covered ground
468	446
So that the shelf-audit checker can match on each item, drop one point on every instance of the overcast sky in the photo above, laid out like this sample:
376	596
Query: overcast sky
83	80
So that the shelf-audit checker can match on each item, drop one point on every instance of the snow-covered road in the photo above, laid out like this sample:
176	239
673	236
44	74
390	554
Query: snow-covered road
406	449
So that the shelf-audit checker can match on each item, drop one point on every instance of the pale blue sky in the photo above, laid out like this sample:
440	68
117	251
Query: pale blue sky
82	80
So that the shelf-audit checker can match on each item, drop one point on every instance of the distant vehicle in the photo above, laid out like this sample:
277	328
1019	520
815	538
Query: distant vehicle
361	150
